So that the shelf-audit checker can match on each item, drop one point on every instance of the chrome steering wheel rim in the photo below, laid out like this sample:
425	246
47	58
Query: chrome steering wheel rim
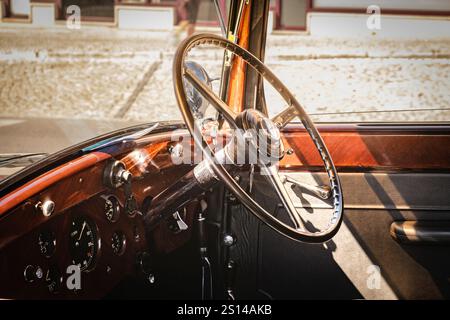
294	110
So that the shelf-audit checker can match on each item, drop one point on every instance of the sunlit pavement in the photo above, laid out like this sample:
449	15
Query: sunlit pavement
116	75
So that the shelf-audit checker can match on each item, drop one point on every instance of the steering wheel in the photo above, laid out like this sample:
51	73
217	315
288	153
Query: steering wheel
252	119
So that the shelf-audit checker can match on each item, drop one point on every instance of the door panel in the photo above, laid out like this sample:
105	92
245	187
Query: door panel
378	190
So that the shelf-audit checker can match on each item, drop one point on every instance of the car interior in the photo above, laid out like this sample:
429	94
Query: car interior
236	201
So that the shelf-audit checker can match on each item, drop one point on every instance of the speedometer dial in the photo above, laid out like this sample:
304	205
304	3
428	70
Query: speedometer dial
83	243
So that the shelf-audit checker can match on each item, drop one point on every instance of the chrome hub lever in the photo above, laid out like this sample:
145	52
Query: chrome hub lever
323	192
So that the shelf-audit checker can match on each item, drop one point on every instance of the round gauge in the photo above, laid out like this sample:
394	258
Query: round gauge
53	279
112	208
118	243
47	243
83	242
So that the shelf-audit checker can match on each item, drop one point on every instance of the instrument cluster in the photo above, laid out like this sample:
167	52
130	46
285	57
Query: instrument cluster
83	235
97	241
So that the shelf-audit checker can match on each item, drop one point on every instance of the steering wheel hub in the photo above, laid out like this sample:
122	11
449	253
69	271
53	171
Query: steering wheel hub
263	132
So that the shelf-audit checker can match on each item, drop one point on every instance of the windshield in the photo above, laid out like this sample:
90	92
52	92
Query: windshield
82	76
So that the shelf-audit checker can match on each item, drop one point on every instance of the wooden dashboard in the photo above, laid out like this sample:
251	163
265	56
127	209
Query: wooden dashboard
90	226
36	249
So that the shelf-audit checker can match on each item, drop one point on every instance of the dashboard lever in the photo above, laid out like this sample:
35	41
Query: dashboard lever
181	224
323	192
175	222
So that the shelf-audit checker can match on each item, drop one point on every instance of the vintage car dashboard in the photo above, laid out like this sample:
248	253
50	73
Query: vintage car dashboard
67	211
70	217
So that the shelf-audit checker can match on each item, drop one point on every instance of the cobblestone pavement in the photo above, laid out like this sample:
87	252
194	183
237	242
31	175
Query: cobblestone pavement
111	74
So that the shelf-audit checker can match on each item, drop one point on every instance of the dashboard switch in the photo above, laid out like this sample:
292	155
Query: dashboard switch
46	208
176	223
39	273
115	174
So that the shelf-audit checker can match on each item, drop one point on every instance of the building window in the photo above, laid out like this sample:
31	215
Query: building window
293	14
92	8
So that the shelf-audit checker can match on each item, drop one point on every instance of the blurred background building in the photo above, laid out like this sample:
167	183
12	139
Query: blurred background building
303	15
69	85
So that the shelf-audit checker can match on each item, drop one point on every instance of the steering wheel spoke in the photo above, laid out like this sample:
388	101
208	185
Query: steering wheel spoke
209	95
277	183
285	116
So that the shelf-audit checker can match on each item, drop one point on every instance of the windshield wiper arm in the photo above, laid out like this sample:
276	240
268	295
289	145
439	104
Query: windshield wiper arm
20	159
113	141
221	18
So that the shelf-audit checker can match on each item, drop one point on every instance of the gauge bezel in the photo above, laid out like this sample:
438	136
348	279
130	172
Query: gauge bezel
52	236
58	282
116	207
96	239
123	241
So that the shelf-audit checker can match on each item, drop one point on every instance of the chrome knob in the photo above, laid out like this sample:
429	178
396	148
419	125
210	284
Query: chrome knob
228	240
39	273
124	176
176	153
115	174
46	208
